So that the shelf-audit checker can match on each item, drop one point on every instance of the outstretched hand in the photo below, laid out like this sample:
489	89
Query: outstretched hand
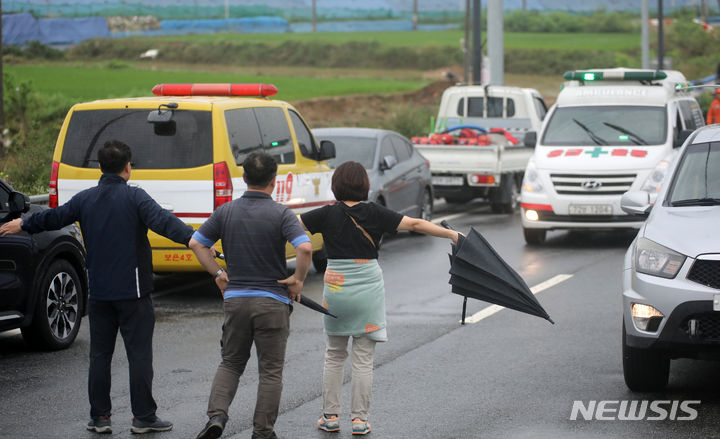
11	227
294	287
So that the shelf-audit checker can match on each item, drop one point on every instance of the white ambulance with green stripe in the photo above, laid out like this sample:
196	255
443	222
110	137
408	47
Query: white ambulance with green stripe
610	131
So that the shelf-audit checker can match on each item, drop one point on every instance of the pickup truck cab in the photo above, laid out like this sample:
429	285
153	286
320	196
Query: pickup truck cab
188	144
610	131
478	145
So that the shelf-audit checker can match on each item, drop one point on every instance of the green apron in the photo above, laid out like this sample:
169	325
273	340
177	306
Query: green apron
355	293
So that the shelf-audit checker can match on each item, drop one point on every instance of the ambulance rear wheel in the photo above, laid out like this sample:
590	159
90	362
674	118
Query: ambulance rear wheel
319	260
534	236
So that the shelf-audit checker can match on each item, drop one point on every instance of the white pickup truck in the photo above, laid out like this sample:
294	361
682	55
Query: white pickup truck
480	147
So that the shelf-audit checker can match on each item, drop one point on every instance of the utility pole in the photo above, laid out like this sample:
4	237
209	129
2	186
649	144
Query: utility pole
660	35
477	43
314	15
415	14
524	5
466	44
645	35
227	9
495	41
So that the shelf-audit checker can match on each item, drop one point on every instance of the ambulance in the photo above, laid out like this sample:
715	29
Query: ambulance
610	131
188	144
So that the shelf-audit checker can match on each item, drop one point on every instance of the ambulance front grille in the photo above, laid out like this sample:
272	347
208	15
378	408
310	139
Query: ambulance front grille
592	184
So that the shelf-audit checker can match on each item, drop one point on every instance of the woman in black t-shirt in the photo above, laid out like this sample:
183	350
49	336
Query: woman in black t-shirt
354	289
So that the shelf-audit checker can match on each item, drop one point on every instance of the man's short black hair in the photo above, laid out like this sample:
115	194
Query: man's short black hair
259	169
350	182
113	157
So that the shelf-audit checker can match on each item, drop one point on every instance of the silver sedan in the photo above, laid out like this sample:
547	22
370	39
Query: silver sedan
399	175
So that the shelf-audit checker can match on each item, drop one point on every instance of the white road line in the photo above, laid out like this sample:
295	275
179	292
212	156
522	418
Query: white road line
448	217
492	309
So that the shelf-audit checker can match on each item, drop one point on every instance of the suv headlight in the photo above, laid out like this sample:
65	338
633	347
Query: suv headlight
656	260
531	180
653	183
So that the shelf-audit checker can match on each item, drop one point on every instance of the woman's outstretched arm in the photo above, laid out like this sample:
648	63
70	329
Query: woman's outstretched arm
427	228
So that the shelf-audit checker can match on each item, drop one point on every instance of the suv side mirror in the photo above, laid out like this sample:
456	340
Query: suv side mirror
18	202
327	150
636	203
681	138
530	139
388	162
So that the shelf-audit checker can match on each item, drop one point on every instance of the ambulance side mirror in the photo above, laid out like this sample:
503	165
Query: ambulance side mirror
681	138
530	139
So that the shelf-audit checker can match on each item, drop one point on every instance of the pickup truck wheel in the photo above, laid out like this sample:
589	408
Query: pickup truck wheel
534	236
509	194
319	260
645	370
56	318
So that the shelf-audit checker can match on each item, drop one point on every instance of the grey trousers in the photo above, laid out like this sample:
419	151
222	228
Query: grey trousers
363	353
266	323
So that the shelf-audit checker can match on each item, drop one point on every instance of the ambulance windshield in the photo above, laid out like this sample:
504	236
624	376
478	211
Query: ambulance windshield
606	125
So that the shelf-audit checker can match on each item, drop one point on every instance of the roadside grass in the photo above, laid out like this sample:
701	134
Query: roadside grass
82	83
450	38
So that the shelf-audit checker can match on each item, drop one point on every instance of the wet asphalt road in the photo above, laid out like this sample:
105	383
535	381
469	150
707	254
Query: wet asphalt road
508	375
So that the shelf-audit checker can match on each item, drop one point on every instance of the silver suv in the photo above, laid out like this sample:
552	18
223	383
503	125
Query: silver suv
671	282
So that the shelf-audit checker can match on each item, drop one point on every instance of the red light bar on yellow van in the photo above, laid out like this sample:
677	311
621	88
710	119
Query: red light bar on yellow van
587	75
262	90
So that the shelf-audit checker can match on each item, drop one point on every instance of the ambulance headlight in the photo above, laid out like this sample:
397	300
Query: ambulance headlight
653	183
531	180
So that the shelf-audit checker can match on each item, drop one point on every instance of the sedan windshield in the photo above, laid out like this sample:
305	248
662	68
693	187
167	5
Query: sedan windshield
350	148
606	125
697	180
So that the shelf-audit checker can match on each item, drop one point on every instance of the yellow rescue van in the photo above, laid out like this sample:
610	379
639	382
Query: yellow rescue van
188	144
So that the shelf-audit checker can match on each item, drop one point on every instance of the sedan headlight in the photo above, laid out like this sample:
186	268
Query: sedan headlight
656	260
531	180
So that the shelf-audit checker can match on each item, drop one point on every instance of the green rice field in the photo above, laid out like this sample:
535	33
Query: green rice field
79	83
513	40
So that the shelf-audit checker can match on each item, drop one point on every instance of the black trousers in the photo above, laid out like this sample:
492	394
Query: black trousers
136	321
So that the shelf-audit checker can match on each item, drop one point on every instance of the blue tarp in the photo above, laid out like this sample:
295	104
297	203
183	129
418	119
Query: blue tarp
72	30
19	29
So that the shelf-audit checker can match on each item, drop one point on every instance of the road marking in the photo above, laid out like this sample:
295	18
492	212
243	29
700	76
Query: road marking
492	309
449	217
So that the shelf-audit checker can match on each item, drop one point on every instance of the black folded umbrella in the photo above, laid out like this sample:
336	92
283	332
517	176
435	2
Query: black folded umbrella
477	271
303	300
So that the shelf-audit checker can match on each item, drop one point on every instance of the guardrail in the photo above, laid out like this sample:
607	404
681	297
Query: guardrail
41	199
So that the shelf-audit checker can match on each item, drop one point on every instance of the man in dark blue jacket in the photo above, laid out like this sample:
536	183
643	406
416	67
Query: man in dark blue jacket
114	219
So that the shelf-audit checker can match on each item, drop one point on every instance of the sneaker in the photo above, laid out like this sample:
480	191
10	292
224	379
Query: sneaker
329	423
360	427
100	424
213	429
140	427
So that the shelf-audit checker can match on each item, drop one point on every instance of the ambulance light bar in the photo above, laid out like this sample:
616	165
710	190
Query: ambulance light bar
260	90
585	75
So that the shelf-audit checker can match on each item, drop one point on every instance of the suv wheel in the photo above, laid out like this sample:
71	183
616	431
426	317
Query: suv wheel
645	370
56	318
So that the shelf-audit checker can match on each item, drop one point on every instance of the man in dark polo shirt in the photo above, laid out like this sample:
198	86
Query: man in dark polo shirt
256	289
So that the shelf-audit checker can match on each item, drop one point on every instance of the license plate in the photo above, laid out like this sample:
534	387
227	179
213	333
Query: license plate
447	181
590	209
